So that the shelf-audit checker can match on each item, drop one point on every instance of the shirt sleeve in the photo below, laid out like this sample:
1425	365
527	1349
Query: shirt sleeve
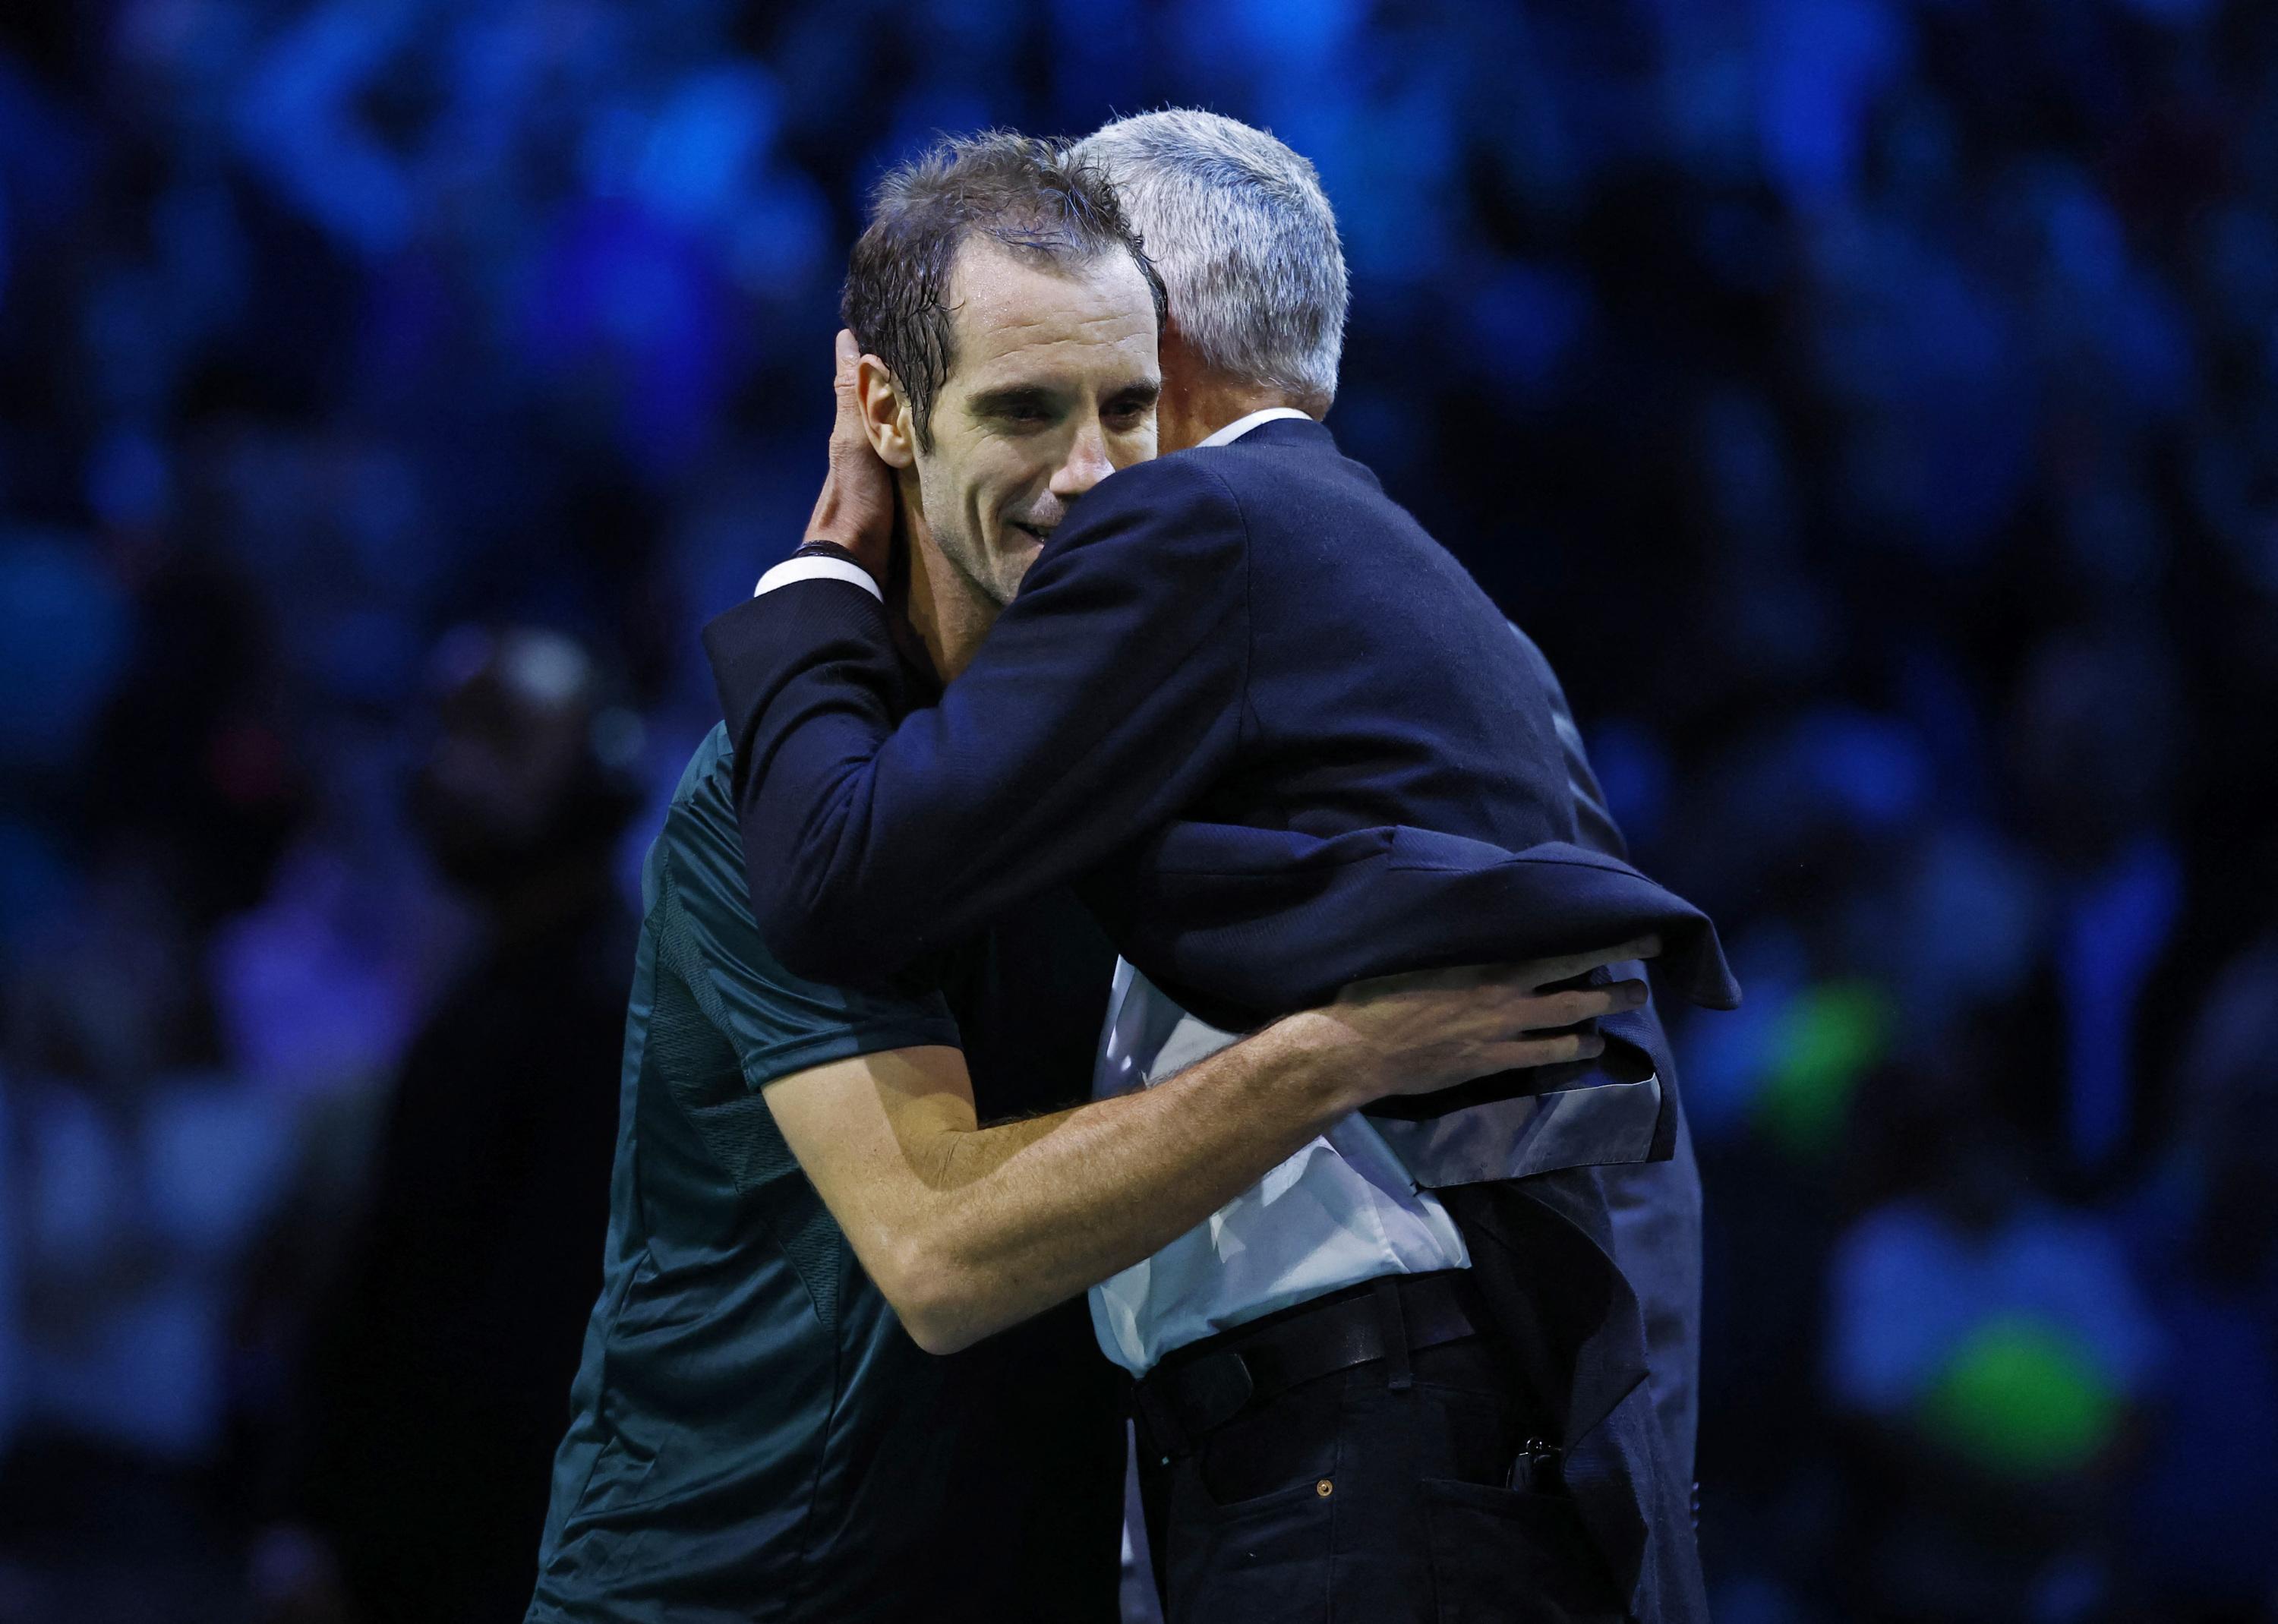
1108	692
777	1023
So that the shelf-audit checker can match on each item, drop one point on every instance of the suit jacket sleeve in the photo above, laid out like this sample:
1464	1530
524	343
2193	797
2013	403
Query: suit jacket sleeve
1110	690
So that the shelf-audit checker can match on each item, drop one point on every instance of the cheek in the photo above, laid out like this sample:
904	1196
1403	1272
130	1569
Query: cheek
999	487
981	507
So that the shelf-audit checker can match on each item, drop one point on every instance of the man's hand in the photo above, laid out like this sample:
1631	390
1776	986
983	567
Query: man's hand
1428	1030
967	1230
856	508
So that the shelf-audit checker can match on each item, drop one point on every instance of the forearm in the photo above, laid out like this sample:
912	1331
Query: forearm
969	1230
1028	1214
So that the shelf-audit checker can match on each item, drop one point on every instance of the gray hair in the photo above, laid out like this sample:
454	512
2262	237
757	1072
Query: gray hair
1245	241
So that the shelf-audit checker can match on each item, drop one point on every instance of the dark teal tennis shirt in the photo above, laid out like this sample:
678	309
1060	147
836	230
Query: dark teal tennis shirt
753	1435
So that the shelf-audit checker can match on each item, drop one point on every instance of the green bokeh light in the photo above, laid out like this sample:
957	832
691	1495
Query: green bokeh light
2023	1399
1821	1043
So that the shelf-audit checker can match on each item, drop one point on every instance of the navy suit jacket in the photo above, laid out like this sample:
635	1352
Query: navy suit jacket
1274	732
1280	740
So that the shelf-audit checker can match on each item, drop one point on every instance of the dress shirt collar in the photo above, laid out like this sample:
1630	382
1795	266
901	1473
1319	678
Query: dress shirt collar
1241	426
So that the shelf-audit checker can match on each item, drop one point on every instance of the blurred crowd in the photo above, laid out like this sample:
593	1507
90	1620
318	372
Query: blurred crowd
1871	406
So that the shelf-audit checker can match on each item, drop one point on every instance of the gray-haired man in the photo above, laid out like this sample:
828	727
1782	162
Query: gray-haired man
1246	244
1277	736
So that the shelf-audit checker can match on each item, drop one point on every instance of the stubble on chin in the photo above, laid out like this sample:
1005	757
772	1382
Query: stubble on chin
995	576
1013	569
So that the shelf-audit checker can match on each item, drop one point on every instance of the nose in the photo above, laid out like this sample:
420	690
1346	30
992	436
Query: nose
1086	464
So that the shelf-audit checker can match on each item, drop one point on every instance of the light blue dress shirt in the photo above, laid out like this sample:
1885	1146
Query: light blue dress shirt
1340	1211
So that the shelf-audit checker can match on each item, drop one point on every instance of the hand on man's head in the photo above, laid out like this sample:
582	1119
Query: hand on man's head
855	510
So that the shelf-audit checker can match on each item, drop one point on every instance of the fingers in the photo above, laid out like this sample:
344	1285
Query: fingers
1430	1071
857	507
1544	971
845	384
1417	983
1507	998
1528	975
1563	1049
1586	1003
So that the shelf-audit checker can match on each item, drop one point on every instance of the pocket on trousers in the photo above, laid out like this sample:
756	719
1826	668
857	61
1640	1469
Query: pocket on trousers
1513	1555
1264	1560
1281	1447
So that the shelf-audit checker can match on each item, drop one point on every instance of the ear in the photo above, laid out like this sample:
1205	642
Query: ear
885	414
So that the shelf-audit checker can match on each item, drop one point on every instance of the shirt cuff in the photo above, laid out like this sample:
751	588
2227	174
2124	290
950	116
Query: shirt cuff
817	568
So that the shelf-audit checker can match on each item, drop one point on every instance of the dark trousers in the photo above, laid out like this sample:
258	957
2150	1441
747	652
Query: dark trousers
1378	1494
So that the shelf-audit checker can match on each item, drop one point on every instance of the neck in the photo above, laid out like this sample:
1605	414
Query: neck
949	612
1197	403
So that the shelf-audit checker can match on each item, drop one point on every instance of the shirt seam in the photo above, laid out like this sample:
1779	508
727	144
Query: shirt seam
766	1066
610	1426
683	797
809	1520
810	1517
610	1429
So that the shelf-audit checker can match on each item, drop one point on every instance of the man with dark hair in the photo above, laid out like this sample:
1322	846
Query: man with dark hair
1025	195
795	1402
1277	739
961	223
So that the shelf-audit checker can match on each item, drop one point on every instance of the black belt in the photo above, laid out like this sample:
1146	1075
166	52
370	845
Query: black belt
1197	1389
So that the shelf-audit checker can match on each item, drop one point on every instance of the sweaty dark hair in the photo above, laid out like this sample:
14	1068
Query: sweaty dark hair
1029	194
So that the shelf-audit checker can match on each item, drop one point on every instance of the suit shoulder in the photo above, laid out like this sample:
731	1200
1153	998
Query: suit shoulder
1180	481
1171	508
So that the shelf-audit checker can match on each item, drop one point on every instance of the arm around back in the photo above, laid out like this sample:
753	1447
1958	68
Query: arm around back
1110	689
967	1230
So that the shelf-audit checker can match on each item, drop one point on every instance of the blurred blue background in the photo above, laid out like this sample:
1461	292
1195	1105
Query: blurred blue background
1870	405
